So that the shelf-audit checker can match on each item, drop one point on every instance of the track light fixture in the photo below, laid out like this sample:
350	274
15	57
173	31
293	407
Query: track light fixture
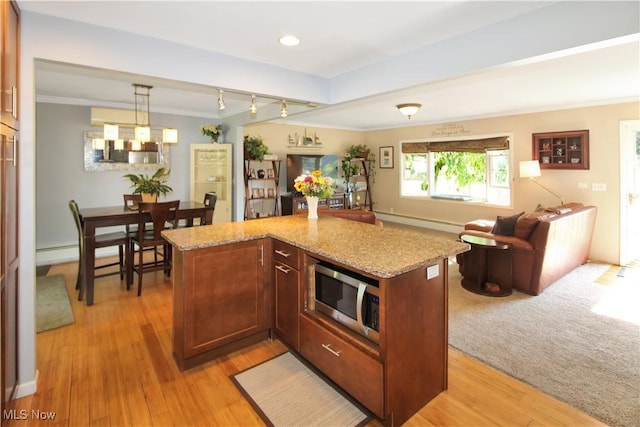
283	109
221	105
408	109
253	107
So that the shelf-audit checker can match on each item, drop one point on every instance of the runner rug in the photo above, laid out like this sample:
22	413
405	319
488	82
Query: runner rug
285	392
53	308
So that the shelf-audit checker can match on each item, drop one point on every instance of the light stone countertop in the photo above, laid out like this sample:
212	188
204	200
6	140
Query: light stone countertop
379	251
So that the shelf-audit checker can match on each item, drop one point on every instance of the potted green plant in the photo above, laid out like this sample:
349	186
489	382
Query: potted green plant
150	187
359	151
255	148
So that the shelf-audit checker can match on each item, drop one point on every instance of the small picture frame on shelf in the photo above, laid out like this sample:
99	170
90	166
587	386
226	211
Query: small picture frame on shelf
386	157
260	193
252	173
270	174
271	192
255	193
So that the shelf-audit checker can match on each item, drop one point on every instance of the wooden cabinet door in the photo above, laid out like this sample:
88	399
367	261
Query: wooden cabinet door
10	63
287	297
9	260
223	296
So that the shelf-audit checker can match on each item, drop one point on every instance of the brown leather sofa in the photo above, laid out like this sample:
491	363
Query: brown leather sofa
544	246
360	215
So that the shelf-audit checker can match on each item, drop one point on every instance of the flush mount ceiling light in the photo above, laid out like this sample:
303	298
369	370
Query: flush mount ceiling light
283	109
253	107
221	104
289	40
408	109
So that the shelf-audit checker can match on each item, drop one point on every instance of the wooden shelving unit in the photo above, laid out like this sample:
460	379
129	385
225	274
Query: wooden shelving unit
261	188
562	150
360	196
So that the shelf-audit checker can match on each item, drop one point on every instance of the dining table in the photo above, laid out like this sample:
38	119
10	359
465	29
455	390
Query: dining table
110	216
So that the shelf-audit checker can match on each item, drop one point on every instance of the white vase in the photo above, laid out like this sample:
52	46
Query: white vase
312	203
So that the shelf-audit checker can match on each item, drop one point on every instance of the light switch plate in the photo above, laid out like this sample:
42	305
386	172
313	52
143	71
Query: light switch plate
599	186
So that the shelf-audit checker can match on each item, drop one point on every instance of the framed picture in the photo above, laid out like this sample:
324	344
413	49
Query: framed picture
270	174
271	192
255	193
386	157
261	193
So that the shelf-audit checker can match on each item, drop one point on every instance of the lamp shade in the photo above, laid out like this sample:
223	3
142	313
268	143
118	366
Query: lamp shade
98	144
529	169
110	132
170	136
142	133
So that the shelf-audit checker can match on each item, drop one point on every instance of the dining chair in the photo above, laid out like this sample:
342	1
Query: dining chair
163	216
209	202
118	238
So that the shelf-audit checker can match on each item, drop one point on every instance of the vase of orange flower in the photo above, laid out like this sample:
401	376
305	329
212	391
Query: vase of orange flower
314	187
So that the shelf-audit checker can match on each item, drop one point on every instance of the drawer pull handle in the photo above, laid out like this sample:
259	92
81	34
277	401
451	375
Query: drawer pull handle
329	349
284	254
283	269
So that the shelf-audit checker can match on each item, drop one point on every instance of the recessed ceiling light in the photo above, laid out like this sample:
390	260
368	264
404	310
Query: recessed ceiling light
289	40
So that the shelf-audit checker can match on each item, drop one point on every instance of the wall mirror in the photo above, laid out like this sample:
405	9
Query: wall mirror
124	154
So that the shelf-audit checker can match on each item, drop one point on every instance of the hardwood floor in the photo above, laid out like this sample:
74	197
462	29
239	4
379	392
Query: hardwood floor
113	367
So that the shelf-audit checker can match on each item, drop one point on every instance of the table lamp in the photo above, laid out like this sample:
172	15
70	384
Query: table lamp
531	169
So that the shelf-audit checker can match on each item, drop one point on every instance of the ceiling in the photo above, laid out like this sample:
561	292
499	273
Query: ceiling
338	38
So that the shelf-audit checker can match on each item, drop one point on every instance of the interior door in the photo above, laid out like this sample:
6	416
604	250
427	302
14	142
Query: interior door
630	191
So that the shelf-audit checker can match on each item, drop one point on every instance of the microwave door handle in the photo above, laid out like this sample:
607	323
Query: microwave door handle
360	297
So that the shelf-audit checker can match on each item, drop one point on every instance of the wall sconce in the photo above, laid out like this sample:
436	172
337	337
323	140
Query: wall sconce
221	104
110	132
170	136
283	109
253	107
408	109
531	169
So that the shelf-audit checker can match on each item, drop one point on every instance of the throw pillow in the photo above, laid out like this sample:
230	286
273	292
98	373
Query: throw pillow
525	226
506	225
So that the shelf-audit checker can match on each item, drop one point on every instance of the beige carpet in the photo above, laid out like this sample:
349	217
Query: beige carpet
285	392
53	308
578	341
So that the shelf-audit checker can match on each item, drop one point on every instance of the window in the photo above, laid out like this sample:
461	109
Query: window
468	170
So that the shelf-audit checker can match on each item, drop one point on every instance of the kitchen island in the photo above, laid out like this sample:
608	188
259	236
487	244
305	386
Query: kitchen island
229	291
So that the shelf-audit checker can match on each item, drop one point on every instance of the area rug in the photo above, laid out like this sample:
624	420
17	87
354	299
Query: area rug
578	341
285	392
53	308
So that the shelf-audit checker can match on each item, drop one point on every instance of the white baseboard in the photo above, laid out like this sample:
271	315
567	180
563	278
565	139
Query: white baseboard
446	227
58	255
27	388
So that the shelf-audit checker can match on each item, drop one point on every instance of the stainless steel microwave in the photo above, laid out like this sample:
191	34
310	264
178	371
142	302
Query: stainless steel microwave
349	298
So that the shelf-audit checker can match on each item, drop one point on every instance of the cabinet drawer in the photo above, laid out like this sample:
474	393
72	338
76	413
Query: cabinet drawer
286	254
355	372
